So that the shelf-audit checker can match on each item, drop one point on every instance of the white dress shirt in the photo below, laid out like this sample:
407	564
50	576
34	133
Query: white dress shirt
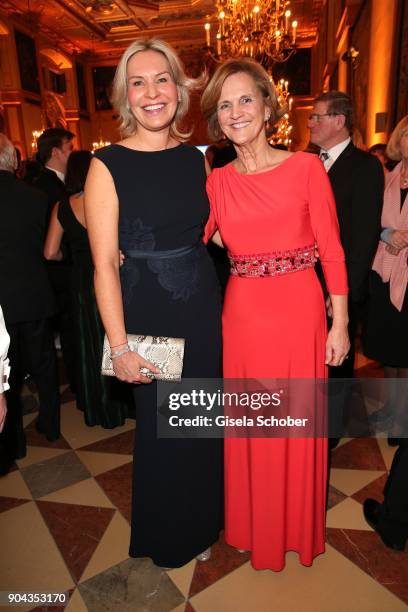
60	175
4	362
333	153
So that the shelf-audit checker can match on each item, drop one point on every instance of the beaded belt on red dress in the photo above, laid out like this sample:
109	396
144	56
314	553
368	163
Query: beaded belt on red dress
273	264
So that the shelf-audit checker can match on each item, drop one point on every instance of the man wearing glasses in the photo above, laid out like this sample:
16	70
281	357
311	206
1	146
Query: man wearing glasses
357	180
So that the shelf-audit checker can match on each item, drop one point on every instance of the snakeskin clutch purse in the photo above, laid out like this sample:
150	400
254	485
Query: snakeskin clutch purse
165	353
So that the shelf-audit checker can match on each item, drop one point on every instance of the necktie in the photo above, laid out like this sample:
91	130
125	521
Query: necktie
324	156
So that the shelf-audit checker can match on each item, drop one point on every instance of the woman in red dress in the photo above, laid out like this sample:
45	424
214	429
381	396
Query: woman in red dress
264	203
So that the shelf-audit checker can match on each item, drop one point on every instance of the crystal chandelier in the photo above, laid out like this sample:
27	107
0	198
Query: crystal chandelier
283	129
261	29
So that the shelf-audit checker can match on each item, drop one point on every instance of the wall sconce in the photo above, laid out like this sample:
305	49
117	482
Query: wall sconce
35	136
351	55
101	143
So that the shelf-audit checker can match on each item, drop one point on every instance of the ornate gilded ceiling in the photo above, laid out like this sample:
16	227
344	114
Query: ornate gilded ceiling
104	28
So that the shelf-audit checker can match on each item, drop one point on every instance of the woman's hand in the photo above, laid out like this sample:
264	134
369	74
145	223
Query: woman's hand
121	258
392	250
337	345
127	368
399	239
3	410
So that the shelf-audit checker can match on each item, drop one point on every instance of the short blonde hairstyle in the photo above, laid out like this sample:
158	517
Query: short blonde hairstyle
8	159
212	93
119	98
393	150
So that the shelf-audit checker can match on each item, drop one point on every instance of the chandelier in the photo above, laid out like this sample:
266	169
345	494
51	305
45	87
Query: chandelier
281	134
261	29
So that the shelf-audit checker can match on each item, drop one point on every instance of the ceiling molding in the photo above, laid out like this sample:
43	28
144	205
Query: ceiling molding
74	29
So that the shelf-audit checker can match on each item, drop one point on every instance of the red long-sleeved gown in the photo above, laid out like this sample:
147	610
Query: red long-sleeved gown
275	327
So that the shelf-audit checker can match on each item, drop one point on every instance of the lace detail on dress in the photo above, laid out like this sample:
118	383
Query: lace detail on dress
179	276
133	235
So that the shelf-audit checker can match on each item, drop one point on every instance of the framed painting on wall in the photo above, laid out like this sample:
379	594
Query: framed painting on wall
80	76
58	82
102	82
296	70
27	62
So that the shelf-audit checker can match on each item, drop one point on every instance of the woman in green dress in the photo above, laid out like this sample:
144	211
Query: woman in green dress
104	401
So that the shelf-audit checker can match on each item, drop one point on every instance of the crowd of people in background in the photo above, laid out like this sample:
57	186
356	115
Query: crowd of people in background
47	295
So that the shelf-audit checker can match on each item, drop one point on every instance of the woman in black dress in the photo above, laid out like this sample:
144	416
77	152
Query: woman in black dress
104	401
146	195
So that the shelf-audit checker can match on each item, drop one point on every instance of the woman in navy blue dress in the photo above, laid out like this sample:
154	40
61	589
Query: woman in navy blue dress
146	195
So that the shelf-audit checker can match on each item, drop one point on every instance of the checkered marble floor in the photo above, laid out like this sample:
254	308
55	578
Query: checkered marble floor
64	526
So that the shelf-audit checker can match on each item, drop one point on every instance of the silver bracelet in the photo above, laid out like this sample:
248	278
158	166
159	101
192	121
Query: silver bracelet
120	352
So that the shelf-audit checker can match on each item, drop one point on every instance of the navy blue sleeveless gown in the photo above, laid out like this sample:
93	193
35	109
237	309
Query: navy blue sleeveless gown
177	495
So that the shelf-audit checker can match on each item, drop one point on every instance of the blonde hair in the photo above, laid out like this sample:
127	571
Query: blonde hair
119	98
212	93
7	154
393	150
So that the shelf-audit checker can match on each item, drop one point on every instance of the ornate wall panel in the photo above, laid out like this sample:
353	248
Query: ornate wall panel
401	106
359	70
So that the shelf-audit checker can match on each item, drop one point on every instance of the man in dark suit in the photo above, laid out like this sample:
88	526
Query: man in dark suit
28	303
54	147
357	180
390	518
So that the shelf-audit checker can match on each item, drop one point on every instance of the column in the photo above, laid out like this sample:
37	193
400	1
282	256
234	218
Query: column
381	69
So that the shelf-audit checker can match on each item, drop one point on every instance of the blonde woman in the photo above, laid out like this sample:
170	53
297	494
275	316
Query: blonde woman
386	336
146	196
